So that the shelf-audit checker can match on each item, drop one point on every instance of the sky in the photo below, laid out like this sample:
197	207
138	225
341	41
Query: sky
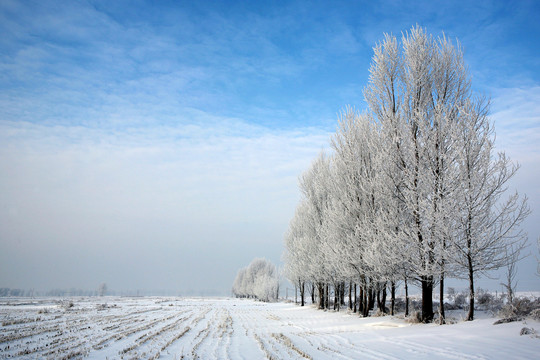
156	145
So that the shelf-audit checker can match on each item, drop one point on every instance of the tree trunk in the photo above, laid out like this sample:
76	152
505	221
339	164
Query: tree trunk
427	298
379	306
383	300
364	298
393	299
355	299
368	299
336	297
371	298
320	287
441	301
470	315
406	298
327	298
350	295
302	292
312	289
362	304
361	299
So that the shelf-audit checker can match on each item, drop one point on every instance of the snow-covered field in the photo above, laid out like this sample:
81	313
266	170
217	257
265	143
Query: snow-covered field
174	328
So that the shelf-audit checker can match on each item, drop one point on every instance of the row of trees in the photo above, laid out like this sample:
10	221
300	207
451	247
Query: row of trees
413	189
8	292
260	280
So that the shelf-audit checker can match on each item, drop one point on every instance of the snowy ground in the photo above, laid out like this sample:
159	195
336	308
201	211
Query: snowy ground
174	328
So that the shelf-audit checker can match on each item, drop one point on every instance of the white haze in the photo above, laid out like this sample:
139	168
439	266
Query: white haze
177	208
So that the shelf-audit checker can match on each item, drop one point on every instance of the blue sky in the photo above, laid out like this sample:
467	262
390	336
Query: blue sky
157	144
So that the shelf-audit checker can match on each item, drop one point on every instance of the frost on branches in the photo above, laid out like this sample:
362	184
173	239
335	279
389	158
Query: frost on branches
260	280
413	189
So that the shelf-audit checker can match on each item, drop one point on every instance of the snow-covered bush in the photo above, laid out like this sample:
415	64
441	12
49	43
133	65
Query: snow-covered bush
488	302
535	314
399	305
416	318
259	280
527	331
485	299
523	306
460	301
520	308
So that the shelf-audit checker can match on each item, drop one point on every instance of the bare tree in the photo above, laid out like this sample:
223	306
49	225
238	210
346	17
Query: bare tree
510	274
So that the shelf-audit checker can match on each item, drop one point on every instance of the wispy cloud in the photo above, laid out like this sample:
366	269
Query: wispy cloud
516	113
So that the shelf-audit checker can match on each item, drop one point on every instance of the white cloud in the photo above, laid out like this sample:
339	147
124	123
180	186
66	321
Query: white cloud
516	113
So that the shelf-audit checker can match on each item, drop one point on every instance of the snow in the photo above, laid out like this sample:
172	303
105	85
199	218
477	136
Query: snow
213	328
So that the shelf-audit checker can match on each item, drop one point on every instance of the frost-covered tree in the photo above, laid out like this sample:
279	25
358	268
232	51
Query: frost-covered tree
488	235
414	92
102	289
259	280
413	190
315	187
297	253
356	201
238	285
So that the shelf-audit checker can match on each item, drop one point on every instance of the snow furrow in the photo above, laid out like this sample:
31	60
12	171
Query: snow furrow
241	329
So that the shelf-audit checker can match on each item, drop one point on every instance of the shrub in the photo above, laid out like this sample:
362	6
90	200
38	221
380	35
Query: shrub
415	318
527	331
520	308
399	305
485	299
535	314
451	293
460	301
67	304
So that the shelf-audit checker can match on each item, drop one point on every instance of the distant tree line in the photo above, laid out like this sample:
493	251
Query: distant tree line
101	291
7	292
259	280
413	190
